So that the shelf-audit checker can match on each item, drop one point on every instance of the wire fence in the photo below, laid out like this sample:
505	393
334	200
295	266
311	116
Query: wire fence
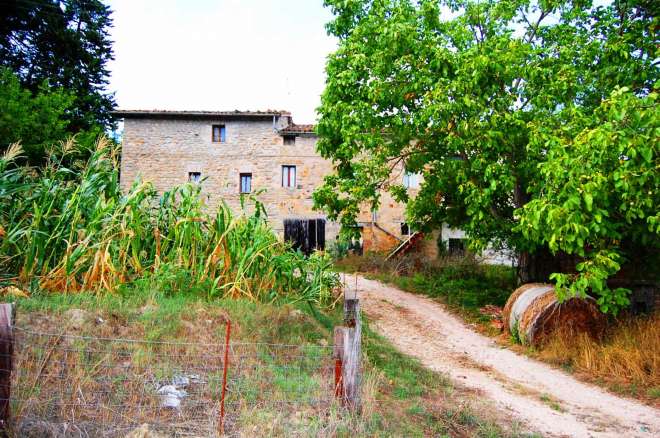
77	386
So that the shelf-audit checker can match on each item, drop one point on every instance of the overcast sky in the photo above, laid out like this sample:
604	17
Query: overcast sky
220	54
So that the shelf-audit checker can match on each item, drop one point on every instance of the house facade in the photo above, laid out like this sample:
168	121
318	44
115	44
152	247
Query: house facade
237	152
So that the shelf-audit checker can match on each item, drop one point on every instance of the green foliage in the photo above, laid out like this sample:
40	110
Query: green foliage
66	43
36	120
339	249
473	100
601	193
71	228
515	334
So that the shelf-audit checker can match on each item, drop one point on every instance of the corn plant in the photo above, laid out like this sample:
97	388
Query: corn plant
68	227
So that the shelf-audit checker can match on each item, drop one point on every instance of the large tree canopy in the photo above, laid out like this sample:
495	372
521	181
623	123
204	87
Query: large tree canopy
493	102
66	43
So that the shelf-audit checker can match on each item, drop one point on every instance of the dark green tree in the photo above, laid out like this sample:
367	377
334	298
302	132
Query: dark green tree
36	120
476	96
66	43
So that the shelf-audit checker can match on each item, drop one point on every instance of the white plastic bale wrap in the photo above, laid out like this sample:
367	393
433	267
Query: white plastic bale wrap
523	301
533	311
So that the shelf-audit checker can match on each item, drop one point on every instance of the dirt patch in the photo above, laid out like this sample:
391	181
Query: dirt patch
524	389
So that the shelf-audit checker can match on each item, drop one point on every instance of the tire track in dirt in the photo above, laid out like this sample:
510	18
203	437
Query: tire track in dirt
514	384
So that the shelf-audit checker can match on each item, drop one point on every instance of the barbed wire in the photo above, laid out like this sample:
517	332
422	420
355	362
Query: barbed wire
74	385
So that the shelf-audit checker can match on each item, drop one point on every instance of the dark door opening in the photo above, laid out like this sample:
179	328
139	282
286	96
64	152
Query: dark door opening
306	235
456	247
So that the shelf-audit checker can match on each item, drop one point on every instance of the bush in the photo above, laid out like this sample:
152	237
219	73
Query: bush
338	249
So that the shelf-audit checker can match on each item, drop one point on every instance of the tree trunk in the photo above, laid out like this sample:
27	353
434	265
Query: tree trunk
536	267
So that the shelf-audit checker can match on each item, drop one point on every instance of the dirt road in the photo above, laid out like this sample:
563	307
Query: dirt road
545	399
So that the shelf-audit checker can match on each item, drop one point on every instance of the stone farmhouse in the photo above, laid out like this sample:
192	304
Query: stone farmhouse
236	152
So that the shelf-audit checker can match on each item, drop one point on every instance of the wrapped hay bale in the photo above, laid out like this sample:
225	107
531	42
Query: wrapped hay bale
533	311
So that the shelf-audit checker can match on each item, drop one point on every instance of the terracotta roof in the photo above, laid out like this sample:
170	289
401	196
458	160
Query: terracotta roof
298	129
165	113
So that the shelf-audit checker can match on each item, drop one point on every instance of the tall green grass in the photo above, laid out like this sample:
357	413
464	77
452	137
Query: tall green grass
68	227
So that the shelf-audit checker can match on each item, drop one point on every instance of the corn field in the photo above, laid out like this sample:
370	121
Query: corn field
68	227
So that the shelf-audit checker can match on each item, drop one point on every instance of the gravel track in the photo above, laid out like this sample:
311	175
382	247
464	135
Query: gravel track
543	398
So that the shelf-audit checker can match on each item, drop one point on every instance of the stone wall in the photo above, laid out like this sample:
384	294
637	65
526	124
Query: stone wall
165	150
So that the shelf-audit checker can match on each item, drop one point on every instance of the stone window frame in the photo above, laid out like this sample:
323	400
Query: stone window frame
290	185
248	176
222	138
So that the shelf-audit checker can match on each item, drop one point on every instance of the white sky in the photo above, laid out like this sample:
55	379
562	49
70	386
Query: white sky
220	54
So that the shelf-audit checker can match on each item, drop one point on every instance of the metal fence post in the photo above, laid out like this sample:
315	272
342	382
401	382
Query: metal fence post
224	379
6	362
337	354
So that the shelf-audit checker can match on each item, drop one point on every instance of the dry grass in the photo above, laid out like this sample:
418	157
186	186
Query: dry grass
626	359
273	391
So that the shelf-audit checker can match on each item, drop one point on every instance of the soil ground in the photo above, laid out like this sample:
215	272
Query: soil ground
543	398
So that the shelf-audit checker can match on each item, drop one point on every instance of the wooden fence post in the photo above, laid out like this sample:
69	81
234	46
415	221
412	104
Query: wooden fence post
347	354
6	362
351	370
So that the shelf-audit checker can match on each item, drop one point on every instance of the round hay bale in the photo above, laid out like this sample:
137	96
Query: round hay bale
506	312
533	312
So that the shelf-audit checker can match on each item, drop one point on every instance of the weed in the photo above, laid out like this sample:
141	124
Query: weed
515	334
393	383
548	400
654	392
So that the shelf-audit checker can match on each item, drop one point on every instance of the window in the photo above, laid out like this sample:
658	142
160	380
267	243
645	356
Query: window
246	182
411	180
289	140
456	246
195	177
218	135
405	229
289	176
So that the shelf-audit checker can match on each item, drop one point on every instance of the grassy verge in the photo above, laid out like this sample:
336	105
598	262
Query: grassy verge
401	398
461	283
625	361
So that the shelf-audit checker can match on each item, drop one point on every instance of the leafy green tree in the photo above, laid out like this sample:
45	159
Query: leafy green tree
36	120
461	92
601	194
67	43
